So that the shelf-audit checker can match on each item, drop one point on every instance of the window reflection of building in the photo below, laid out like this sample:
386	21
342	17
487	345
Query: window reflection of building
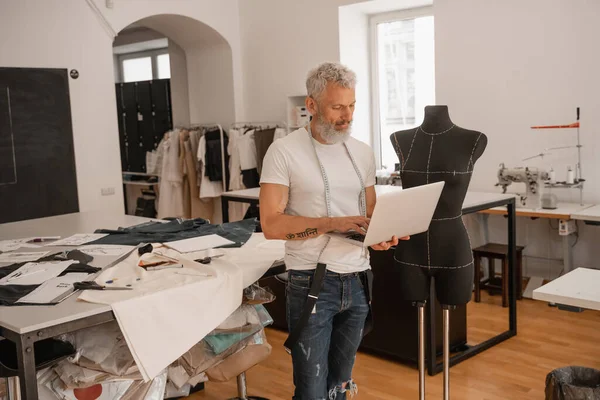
399	65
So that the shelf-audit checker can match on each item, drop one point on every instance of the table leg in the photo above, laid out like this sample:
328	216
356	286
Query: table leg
225	208
26	364
512	264
567	254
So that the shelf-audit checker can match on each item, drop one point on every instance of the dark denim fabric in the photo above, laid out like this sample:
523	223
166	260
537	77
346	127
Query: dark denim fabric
324	355
156	232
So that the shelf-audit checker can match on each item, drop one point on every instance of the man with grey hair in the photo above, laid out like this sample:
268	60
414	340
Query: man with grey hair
317	183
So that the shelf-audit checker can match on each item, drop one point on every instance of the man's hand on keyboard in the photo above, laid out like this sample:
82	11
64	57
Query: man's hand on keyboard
387	245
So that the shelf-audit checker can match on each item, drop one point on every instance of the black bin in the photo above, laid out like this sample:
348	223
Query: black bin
573	383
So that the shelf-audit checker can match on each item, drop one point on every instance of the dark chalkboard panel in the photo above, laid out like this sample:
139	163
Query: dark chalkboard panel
37	159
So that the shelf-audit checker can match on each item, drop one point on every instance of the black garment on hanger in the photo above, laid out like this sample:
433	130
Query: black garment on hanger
213	156
251	178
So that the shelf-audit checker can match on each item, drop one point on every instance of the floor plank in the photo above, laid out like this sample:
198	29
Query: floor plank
516	369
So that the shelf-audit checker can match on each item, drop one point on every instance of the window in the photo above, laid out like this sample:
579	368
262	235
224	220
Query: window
145	66
137	69
164	66
403	75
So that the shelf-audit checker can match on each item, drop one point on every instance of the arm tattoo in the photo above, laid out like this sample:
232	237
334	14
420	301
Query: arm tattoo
302	235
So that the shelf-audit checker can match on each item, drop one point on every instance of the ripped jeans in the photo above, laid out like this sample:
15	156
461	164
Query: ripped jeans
324	355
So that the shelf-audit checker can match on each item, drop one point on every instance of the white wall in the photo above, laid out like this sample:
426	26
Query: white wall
210	85
180	96
281	41
505	66
76	39
354	52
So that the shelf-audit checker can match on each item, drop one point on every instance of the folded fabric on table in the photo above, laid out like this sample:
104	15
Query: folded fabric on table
156	312
157	232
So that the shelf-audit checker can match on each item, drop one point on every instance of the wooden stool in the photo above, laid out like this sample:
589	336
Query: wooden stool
495	251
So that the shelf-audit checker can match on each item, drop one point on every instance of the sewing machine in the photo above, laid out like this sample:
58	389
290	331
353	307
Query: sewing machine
533	178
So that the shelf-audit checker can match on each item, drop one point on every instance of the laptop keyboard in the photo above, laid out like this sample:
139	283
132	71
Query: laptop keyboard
356	236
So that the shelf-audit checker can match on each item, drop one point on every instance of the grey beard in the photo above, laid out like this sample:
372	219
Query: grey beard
330	134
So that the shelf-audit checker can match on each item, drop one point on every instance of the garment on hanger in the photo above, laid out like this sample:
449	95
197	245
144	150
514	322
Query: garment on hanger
208	188
263	139
236	209
184	136
247	151
214	156
199	208
171	184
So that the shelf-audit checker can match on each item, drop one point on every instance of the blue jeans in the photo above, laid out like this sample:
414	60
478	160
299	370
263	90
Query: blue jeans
324	355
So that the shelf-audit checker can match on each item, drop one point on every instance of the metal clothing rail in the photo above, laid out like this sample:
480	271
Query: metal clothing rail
260	125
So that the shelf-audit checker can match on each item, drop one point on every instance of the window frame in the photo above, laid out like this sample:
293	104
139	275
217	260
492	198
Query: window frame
375	20
153	54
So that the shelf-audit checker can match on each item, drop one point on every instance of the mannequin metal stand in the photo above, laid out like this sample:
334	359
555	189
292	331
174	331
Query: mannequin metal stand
241	385
421	307
446	314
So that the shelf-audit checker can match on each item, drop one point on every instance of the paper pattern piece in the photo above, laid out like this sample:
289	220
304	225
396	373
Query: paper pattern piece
35	273
21	256
105	250
52	290
78	239
14	244
198	243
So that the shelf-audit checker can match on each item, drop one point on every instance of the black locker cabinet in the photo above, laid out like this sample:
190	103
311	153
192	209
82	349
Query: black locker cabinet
144	111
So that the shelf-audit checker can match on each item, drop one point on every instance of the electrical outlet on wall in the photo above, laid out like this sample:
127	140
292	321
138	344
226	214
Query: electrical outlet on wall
108	191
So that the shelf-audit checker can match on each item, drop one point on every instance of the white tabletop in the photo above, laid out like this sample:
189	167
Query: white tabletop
471	200
588	214
578	288
474	199
68	224
31	318
563	210
24	319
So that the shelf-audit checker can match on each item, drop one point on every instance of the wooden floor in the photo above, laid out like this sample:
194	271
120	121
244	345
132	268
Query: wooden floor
516	369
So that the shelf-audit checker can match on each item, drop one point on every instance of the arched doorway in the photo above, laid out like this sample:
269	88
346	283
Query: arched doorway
182	60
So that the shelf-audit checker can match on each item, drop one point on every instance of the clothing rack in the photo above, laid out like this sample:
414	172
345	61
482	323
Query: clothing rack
260	125
222	133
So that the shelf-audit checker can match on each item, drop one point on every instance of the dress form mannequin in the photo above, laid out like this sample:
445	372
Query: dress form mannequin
436	151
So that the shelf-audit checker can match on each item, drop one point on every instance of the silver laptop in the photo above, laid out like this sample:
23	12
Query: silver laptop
401	212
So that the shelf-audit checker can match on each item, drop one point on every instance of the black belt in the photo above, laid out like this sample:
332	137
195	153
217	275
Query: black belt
313	296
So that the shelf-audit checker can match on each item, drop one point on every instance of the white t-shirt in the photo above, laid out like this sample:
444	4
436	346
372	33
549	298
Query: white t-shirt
291	161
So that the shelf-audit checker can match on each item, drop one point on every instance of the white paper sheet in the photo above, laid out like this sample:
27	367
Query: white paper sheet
21	256
105	249
78	239
198	243
14	244
54	288
35	273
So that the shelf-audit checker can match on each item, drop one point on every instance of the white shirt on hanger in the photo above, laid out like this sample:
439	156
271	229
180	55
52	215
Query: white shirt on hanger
247	150
208	188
